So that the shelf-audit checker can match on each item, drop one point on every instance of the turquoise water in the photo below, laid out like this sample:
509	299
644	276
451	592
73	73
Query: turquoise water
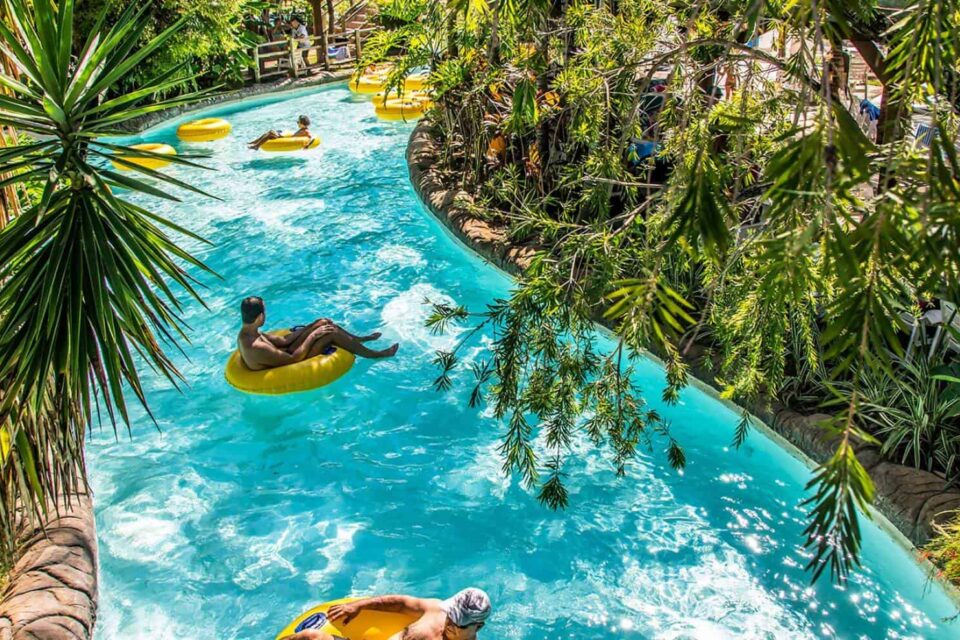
242	511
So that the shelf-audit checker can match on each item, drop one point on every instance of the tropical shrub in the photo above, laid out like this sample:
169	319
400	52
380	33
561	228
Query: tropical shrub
915	414
767	227
90	283
944	549
397	13
212	46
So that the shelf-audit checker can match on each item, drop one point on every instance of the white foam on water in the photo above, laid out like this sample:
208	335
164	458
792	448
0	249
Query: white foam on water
147	526
399	255
266	557
378	580
140	537
481	478
337	544
715	598
278	219
151	622
406	315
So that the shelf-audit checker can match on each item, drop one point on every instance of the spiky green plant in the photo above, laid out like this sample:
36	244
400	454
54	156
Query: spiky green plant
88	280
943	550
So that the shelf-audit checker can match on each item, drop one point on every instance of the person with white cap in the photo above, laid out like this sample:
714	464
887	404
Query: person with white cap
457	618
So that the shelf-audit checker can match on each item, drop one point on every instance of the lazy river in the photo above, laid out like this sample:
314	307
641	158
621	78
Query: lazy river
241	511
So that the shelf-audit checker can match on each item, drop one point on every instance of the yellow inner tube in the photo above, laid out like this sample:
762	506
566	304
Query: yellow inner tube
400	108
305	375
290	143
368	625
149	163
415	82
414	96
204	130
376	81
369	83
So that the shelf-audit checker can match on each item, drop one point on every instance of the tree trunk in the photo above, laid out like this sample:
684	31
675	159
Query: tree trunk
837	69
331	16
493	52
893	112
451	32
52	588
317	17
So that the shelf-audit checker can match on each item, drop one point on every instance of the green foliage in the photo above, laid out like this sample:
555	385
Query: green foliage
30	189
88	280
944	549
915	414
212	45
764	226
842	490
397	13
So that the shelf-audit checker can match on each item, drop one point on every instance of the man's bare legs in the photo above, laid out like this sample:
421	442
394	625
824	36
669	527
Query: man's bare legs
367	338
344	340
321	322
269	135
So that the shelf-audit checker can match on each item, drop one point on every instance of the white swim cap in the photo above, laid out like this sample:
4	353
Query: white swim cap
469	606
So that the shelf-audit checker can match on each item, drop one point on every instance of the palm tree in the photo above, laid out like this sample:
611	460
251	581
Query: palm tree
89	281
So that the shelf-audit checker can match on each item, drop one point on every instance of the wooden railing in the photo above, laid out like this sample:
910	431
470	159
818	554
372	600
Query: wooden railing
288	57
350	13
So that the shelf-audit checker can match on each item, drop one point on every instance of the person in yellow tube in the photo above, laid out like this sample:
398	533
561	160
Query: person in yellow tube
303	131
261	351
457	618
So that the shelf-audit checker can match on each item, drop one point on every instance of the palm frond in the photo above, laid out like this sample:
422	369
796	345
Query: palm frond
90	284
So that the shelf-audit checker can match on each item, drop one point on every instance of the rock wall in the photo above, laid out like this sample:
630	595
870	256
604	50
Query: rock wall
911	499
450	206
51	591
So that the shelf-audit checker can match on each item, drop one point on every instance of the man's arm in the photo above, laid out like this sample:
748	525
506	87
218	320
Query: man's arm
268	355
395	603
285	341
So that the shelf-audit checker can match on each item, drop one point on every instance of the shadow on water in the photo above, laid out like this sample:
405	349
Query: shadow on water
378	131
278	163
340	180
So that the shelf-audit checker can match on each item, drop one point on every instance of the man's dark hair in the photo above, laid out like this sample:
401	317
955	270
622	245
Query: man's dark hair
304	120
250	308
297	18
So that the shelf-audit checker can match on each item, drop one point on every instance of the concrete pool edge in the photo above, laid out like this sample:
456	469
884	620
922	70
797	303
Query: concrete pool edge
908	501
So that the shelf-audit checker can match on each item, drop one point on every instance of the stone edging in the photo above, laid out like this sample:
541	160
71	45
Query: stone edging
449	207
911	499
52	588
51	592
247	91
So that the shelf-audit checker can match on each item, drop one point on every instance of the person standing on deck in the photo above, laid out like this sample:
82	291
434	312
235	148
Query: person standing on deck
300	35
